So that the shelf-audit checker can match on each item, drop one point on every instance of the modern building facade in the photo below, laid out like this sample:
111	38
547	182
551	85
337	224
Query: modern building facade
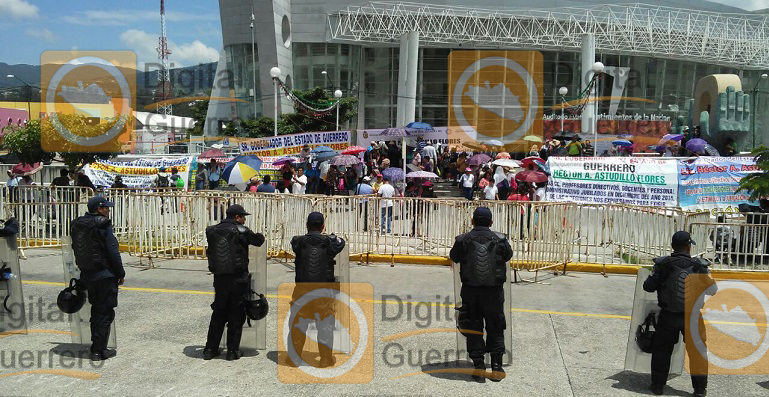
665	46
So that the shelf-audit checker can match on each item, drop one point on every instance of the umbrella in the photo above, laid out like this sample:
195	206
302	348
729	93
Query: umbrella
696	145
494	142
673	137
394	174
326	156
478	159
344	159
422	174
413	167
211	154
625	136
401	132
622	143
241	169
322	149
285	160
353	150
503	155
532	160
23	169
419	126
531	176
506	163
532	138
710	151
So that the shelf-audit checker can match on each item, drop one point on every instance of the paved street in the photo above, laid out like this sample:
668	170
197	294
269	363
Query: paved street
570	336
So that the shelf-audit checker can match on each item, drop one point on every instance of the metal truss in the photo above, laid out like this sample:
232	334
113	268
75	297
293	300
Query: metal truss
734	40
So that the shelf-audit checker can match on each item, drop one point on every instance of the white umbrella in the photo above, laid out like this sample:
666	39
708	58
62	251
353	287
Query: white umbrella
506	163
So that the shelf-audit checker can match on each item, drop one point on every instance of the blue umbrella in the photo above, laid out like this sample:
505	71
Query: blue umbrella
394	174
323	156
696	145
622	142
415	125
322	149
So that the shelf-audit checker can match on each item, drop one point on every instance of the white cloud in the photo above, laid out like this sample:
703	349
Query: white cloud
18	9
130	17
144	45
42	34
750	5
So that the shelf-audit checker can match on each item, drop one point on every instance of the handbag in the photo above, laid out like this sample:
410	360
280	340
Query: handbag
644	337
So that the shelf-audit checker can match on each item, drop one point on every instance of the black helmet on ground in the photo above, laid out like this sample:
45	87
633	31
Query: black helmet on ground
72	298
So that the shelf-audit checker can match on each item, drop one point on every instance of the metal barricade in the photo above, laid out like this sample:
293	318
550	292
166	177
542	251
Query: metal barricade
733	241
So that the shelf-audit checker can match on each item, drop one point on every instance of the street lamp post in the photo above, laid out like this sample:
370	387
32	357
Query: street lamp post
253	57
328	79
29	95
597	69
753	111
338	96
563	91
275	73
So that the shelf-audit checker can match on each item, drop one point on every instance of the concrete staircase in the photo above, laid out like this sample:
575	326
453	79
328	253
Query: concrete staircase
446	190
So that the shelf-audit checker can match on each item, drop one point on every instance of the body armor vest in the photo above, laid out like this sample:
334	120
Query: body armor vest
226	254
314	264
90	251
482	266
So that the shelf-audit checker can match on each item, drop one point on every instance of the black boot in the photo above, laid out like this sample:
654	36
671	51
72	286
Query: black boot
497	372
480	370
209	354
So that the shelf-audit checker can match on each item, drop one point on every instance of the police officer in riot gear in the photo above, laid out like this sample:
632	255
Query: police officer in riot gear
668	279
228	260
315	253
101	270
483	256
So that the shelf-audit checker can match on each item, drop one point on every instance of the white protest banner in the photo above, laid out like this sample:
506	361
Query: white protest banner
438	135
287	145
602	180
138	173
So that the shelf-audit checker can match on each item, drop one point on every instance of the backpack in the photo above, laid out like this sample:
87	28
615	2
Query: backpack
179	182
162	180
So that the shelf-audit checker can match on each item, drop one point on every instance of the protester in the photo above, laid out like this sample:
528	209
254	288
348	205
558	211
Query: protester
588	150
350	180
540	191
574	149
332	181
214	173
299	185
502	183
411	190
386	191
364	187
534	151
62	179
304	154
430	152
84	181
378	182
667	279
253	184
287	172
200	178
266	186
427	190
117	184
162	178
466	183
176	179
13	182
417	160
521	194
394	154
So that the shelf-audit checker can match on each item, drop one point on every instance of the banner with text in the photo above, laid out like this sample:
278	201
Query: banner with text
288	145
710	183
438	135
603	180
138	173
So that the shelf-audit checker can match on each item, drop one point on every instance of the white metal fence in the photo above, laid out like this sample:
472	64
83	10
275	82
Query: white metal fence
169	223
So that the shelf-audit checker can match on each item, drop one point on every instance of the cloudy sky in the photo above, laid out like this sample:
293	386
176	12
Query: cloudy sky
750	5
29	27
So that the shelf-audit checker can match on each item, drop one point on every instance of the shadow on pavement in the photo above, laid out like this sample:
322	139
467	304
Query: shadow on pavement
640	383
765	384
196	351
447	366
72	350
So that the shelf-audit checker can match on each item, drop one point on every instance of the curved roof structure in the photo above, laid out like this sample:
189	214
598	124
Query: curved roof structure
735	40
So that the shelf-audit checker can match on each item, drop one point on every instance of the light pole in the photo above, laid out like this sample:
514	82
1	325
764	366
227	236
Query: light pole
338	96
597	69
328	79
753	111
29	95
253	57
275	73
563	91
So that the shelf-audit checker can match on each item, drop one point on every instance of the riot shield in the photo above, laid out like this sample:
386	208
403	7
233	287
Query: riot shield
80	322
255	336
12	315
643	304
461	340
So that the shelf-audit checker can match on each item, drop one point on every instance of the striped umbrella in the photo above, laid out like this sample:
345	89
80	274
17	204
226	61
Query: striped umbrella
241	169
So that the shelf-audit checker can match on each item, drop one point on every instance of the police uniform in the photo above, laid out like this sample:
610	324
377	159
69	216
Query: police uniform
101	269
671	319
483	256
314	263
228	260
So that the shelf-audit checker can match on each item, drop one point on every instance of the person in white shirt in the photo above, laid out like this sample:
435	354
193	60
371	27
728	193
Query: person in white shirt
466	183
299	182
539	194
429	151
386	191
491	192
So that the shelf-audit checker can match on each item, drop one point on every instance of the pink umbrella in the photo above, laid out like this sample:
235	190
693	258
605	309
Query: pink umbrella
211	154
531	160
285	160
344	159
503	155
353	150
478	159
23	169
422	174
531	176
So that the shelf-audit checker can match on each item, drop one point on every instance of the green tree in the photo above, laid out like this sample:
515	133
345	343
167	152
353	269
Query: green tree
308	120
757	185
198	112
24	142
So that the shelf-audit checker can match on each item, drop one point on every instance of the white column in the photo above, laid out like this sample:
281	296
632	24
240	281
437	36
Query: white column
407	78
589	122
402	73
